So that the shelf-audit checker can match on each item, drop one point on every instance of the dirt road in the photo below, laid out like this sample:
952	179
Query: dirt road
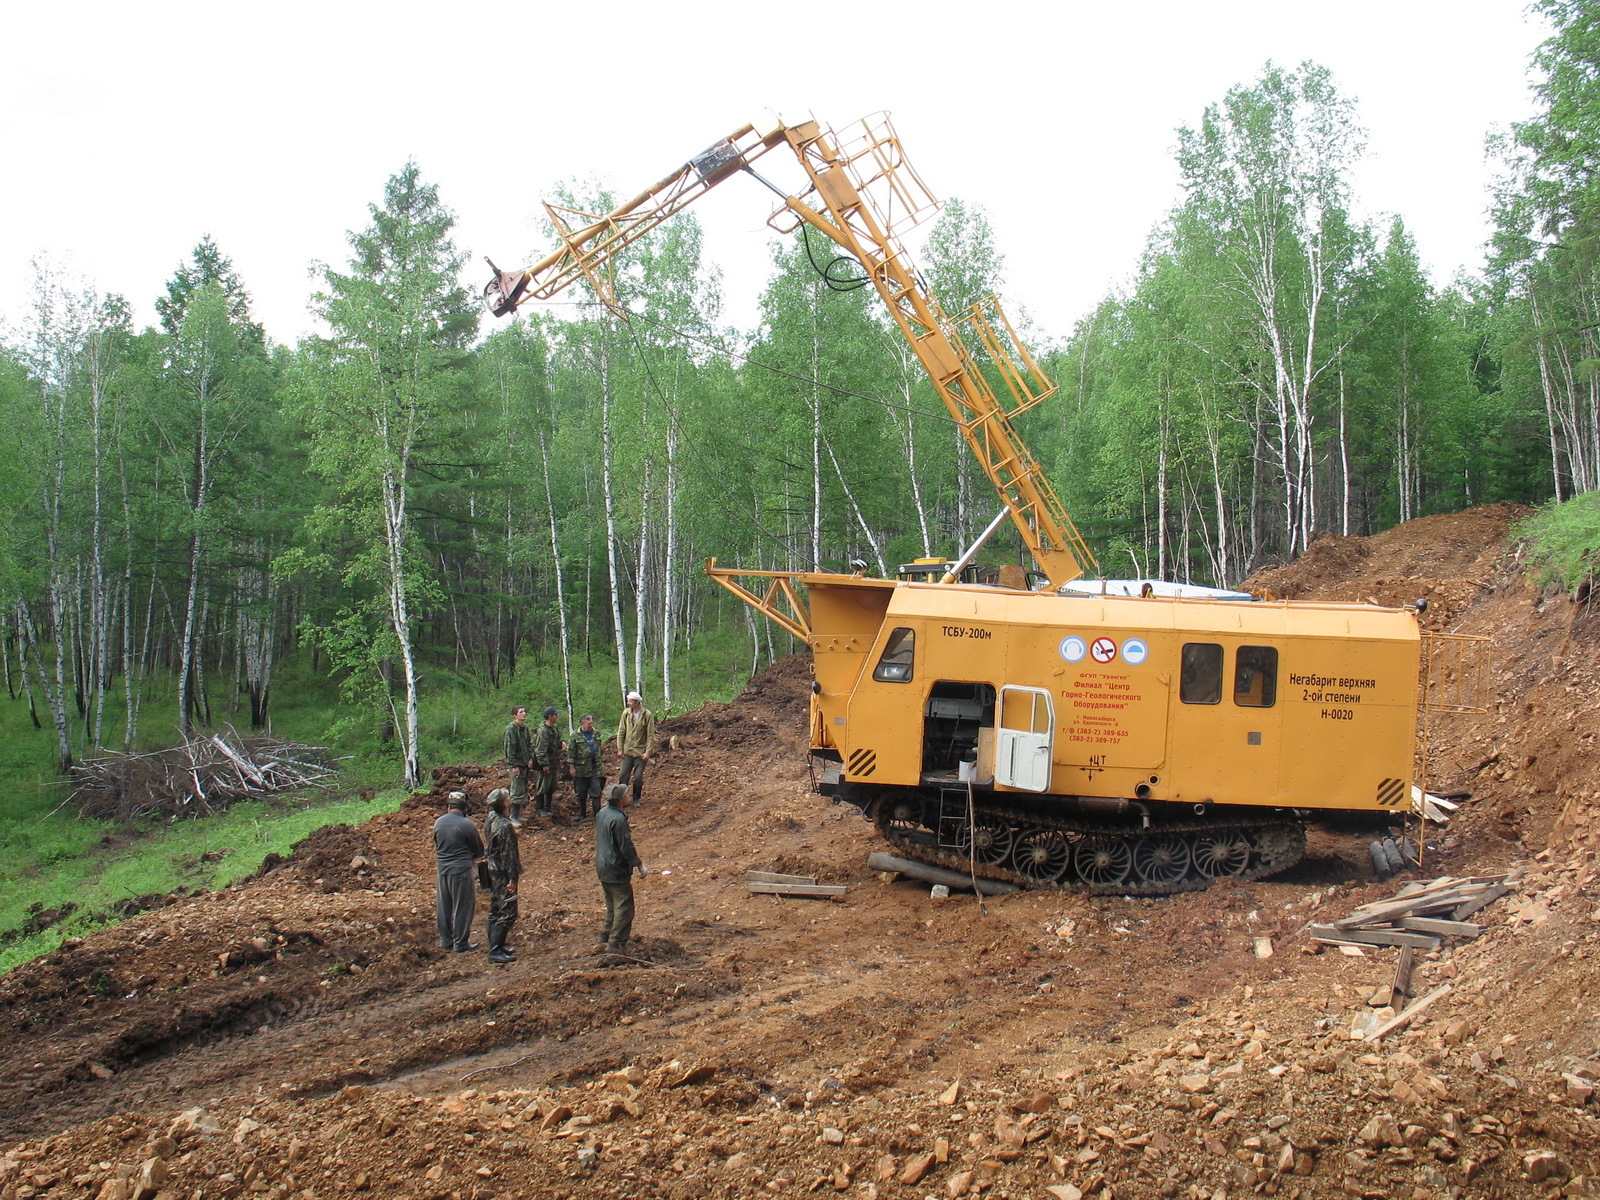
301	1034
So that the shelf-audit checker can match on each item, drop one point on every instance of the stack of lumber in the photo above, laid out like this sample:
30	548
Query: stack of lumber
197	778
1437	809
1419	916
771	883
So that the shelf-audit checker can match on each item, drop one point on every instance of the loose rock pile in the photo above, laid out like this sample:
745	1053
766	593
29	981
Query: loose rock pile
302	1034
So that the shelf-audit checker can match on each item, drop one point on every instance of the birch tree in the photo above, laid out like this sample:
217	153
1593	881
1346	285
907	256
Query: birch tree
1265	193
216	383
401	325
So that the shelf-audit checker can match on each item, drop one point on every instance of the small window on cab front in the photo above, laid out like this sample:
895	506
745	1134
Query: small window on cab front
1255	676
894	665
1202	673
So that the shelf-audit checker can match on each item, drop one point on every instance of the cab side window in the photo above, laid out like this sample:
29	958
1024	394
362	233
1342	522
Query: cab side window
894	665
1255	676
1202	673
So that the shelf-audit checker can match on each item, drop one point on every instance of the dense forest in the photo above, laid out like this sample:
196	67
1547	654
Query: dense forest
414	494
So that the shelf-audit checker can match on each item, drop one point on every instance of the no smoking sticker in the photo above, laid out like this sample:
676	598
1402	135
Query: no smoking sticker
1104	650
1073	648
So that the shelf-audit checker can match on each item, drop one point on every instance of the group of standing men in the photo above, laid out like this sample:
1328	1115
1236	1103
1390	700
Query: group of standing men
540	755
458	848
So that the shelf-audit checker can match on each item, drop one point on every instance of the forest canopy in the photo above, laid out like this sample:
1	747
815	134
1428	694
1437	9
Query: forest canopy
415	495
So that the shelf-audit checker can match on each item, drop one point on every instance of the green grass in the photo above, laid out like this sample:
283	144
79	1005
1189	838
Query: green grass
94	866
49	858
1564	541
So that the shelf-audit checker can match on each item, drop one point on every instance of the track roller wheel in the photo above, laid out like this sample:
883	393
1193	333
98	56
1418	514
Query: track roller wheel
989	841
1103	859
1043	855
1161	858
904	814
1221	854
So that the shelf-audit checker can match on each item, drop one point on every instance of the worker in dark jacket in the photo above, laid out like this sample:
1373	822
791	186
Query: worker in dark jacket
615	860
519	760
583	755
547	760
456	849
505	868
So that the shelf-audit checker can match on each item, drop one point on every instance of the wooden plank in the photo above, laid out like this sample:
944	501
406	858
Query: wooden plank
1404	908
1464	929
1402	977
1404	1018
775	877
1416	886
798	889
1486	897
1372	937
1412	893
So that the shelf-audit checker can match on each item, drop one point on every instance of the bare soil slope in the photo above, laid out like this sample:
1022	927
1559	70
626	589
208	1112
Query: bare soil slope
302	1035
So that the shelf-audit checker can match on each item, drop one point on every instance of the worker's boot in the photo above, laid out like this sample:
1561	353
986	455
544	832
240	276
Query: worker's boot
516	816
497	946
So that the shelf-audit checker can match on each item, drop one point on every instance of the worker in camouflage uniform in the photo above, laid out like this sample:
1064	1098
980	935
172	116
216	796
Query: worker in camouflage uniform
636	738
615	860
547	758
505	868
519	759
583	755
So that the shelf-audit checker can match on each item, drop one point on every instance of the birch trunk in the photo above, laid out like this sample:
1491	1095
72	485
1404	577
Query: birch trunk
866	530
561	591
394	530
611	513
669	567
641	568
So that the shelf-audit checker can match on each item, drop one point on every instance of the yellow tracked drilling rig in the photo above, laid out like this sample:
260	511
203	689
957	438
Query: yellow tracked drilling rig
1127	737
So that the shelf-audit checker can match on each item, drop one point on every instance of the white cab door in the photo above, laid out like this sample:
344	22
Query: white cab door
1023	738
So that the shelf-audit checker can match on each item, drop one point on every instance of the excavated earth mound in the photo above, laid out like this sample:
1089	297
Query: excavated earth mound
302	1034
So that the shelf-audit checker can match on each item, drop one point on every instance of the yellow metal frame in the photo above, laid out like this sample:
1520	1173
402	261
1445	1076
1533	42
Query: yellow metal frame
863	196
856	209
783	586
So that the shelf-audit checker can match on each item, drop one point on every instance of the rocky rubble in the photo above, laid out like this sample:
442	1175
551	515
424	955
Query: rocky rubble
301	1035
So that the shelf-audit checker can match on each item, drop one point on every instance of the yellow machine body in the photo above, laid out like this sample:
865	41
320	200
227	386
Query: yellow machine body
1187	701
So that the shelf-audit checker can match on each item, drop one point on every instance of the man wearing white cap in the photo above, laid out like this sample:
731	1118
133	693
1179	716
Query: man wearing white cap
636	737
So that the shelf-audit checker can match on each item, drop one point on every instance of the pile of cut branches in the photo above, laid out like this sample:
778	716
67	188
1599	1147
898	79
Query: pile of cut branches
202	776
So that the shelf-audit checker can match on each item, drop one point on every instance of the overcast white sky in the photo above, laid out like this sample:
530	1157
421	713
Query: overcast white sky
130	130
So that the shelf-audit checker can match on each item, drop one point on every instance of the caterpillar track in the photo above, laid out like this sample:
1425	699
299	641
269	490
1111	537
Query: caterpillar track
1034	849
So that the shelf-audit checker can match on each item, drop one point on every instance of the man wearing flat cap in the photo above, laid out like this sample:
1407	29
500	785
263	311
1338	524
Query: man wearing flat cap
457	848
615	861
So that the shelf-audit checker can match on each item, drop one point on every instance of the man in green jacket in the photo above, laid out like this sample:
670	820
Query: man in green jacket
519	760
583	754
505	868
636	738
615	860
547	757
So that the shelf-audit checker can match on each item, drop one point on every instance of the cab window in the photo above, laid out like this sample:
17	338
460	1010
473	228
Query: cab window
1202	673
894	665
1255	677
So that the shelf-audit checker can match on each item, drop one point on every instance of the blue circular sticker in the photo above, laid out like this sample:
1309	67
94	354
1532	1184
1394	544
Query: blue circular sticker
1134	652
1073	648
